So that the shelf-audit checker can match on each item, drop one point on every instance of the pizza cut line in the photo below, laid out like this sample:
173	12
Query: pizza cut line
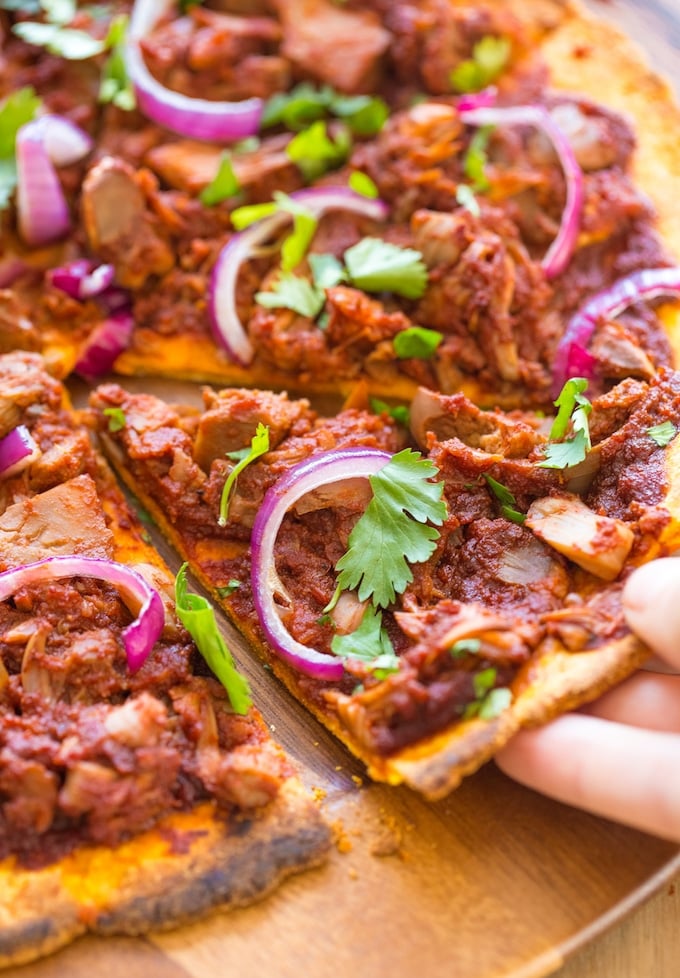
425	254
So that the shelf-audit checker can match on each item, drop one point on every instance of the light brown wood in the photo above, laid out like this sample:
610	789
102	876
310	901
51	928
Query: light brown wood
493	882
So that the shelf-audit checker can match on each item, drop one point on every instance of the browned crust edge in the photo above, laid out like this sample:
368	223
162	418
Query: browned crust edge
187	865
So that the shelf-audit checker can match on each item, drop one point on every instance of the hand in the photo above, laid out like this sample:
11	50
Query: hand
620	756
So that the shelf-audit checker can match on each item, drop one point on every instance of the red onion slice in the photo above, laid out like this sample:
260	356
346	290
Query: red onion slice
192	117
650	283
224	319
17	450
42	211
319	470
104	345
65	142
82	278
138	637
560	251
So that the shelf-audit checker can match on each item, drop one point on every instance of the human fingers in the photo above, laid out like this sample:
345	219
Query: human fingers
610	769
645	700
651	604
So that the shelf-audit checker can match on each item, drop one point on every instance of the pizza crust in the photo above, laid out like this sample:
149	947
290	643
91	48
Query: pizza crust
188	864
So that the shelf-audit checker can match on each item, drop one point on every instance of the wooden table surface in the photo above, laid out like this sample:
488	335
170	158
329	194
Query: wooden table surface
494	882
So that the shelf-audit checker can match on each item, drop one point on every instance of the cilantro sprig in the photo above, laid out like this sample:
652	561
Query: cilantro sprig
490	57
259	444
573	411
507	501
662	434
395	529
379	266
364	114
223	185
53	33
15	111
368	643
198	617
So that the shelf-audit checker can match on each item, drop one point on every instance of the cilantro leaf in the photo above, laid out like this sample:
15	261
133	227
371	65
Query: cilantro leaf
465	646
394	529
489	58
315	151
198	617
362	184
16	110
223	185
466	198
115	86
243	217
364	114
117	419
399	412
259	444
663	434
377	266
494	703
305	223
573	410
327	271
293	292
506	499
74	45
368	643
475	160
417	342
305	104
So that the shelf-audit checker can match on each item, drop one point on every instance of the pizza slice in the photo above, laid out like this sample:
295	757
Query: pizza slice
423	590
439	208
136	790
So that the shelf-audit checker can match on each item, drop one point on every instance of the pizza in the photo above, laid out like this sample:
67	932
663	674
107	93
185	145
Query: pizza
421	256
137	790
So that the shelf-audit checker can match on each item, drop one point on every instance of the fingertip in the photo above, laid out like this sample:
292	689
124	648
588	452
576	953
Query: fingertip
651	604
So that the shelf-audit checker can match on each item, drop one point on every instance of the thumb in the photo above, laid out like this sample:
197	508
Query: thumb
651	604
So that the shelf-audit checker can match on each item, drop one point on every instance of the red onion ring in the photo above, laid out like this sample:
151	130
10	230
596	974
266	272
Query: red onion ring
192	117
562	248
650	283
138	637
42	211
17	450
224	319
310	474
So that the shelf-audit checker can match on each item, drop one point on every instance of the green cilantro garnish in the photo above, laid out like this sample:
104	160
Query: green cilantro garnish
489	58
66	42
465	646
368	643
362	184
399	412
258	446
663	434
115	86
379	266
394	529
573	410
494	703
198	617
315	151
243	217
417	343
15	111
117	419
305	104
506	499
223	185
293	292
475	160
327	271
483	681
466	198
228	588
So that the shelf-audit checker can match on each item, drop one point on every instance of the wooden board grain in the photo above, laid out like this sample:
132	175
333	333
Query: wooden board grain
493	882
